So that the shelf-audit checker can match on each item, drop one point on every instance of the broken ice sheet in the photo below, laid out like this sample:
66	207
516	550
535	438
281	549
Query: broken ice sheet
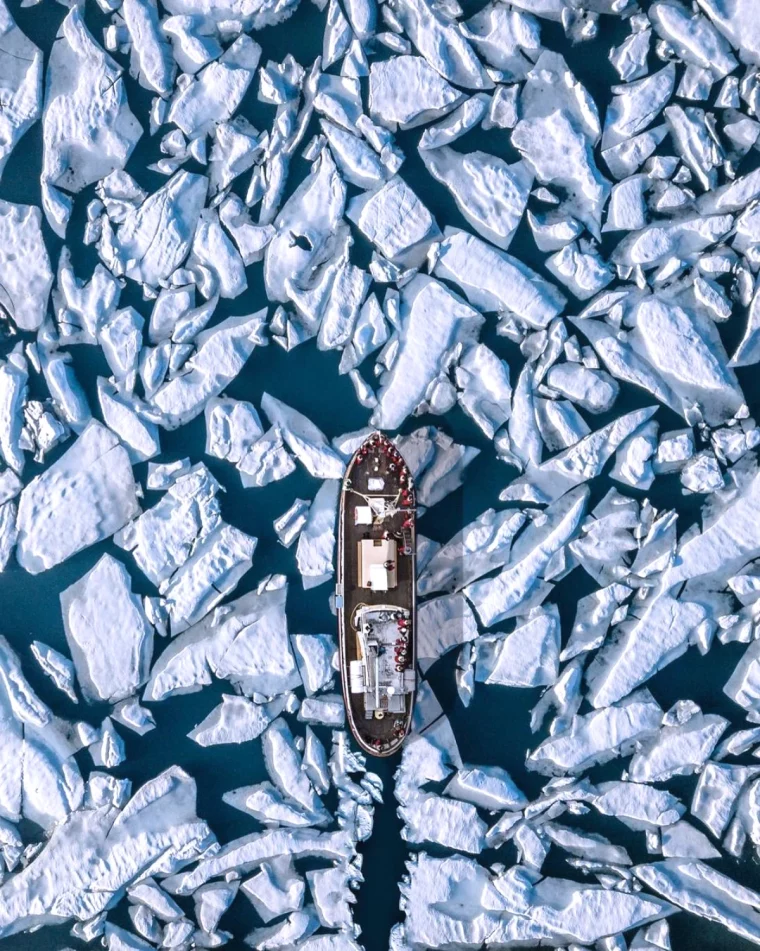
246	643
88	128
96	852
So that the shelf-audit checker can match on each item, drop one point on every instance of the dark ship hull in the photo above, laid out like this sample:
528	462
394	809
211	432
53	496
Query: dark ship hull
376	596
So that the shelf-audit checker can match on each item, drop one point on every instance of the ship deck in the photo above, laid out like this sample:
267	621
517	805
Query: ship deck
403	595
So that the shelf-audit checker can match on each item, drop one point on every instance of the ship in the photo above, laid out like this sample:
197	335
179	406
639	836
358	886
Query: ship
376	595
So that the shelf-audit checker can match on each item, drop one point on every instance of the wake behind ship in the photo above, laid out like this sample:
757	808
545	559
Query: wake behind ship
376	595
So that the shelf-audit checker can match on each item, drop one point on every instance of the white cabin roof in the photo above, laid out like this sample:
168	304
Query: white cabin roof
373	555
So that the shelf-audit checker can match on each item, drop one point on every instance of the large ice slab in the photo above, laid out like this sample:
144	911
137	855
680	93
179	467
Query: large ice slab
598	737
433	320
661	634
25	290
475	550
497	597
221	352
21	84
109	637
84	497
95	853
489	193
246	643
88	128
455	901
305	440
706	892
155	237
528	657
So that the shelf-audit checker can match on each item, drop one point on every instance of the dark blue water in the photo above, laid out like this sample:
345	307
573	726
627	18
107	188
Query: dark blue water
495	728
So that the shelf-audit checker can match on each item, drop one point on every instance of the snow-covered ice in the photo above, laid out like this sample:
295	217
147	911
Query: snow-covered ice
84	497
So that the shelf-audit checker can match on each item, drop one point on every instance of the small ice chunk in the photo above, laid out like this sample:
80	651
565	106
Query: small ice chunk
717	793
211	901
139	435
633	464
441	41
109	637
581	462
501	35
59	668
326	709
584	273
14	376
331	892
475	550
232	427
151	56
164	537
694	38
316	543
635	106
21	84
661	634
674	449
445	472
276	890
155	237
150	894
218	89
315	654
134	717
495	281
221	353
396	221
266	461
528	657
84	497
456	123
592	390
211	573
246	643
407	91
489	787
682	840
88	128
7	532
489	193
448	822
24	291
235	720
497	598
597	737
251	240
290	524
213	254
443	624
312	213
163	475
679	749
637	805
305	440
